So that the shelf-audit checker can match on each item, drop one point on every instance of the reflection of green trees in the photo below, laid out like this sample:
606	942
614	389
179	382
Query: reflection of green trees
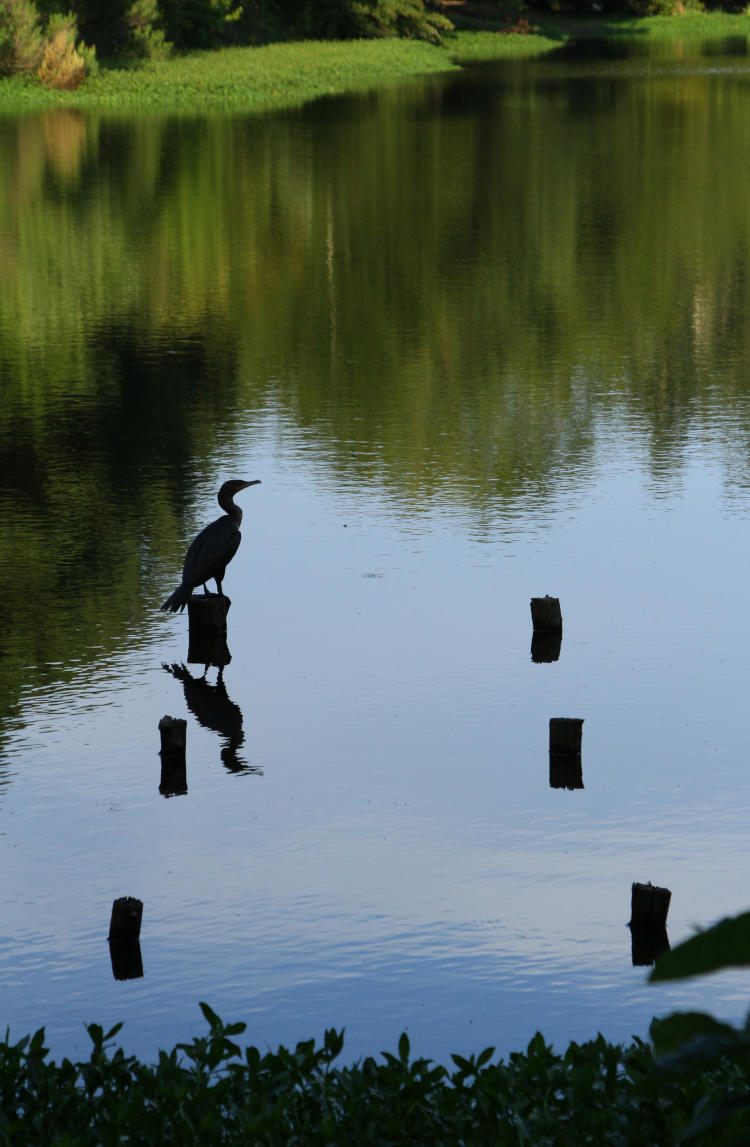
453	283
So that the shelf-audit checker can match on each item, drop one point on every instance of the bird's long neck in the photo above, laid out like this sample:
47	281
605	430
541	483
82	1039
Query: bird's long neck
230	507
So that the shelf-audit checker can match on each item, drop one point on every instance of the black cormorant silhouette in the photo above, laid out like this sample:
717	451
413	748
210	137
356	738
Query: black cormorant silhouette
213	549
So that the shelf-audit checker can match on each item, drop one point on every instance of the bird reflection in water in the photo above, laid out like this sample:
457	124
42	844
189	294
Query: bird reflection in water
214	709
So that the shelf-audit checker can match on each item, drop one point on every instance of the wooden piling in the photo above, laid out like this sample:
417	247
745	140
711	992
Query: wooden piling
546	613
173	734
125	922
649	906
207	613
565	735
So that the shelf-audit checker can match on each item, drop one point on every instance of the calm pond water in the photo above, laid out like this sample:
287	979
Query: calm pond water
482	338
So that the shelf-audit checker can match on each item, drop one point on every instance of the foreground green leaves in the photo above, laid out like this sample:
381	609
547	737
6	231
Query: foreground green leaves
687	1043
726	945
212	1091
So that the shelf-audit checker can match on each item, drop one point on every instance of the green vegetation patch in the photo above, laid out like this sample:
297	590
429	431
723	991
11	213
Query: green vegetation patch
290	74
532	35
276	75
212	1091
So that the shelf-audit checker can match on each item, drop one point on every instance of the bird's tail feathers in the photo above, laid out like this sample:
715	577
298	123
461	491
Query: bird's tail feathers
179	599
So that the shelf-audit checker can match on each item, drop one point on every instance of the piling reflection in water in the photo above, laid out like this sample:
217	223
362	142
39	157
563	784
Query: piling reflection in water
127	961
647	944
565	771
213	709
208	647
565	768
649	907
546	618
546	645
124	942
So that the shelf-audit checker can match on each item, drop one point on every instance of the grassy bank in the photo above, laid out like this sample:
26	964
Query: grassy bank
212	1091
248	79
287	75
542	33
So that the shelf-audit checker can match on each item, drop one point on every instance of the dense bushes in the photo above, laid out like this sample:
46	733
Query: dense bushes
21	42
344	19
52	51
210	1092
138	28
149	28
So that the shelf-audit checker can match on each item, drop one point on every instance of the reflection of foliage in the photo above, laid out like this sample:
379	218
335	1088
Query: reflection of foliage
448	302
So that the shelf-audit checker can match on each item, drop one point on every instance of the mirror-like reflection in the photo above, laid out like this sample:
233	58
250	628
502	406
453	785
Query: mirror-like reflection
468	362
213	708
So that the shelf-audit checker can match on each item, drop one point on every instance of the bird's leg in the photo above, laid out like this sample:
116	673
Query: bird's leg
218	585
205	589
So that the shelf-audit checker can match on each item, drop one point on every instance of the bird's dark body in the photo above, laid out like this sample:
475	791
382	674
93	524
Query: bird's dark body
213	549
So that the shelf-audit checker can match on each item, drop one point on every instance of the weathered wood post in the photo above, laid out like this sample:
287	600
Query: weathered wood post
124	931
173	733
546	619
125	922
207	613
546	613
565	768
565	735
649	906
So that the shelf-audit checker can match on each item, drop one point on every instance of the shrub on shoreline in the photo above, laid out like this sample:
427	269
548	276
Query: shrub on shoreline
212	1091
51	52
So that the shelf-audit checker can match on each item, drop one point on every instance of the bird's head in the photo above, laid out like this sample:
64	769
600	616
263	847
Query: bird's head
232	487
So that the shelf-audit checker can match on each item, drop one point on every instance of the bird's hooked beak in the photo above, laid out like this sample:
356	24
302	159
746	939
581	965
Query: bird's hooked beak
253	482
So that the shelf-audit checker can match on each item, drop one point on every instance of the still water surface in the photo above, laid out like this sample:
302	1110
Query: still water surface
481	338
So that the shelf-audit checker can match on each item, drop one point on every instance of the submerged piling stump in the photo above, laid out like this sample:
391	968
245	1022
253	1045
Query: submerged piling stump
207	612
125	922
546	613
173	734
649	906
565	735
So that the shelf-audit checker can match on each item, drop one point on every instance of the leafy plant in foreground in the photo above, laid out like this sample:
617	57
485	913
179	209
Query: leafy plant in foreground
690	1042
212	1091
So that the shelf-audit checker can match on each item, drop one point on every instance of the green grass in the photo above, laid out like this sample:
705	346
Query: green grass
248	79
288	75
541	34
